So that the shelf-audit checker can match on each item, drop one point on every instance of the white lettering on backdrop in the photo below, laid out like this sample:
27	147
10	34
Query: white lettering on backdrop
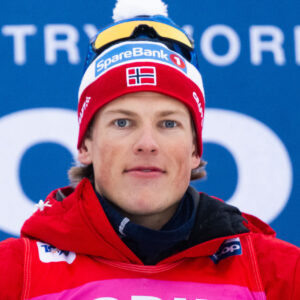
65	37
19	131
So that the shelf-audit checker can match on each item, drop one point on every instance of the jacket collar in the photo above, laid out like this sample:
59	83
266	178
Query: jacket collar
78	223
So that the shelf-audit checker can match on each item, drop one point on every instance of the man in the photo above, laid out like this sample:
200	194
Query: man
131	227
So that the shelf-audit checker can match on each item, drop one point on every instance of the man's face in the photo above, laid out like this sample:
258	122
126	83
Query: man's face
142	151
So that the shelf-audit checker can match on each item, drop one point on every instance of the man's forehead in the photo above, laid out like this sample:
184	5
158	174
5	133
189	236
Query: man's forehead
134	103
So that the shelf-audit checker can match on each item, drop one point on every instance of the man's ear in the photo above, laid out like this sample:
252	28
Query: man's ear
196	159
84	152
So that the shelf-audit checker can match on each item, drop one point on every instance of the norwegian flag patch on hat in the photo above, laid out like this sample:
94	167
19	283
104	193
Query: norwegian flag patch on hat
141	76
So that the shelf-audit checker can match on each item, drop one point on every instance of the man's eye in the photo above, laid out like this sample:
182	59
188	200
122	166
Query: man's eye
122	123
169	123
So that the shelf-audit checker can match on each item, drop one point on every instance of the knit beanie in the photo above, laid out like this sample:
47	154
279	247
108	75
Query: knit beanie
143	50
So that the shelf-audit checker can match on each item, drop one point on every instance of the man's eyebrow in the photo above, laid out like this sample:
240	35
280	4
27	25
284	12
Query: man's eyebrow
166	113
121	111
163	113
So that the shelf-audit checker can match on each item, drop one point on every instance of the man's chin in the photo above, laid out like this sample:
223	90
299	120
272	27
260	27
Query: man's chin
143	206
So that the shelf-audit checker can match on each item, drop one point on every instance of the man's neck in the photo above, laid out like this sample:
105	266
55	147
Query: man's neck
152	221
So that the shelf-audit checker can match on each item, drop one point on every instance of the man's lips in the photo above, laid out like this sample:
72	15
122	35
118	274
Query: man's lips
144	169
145	172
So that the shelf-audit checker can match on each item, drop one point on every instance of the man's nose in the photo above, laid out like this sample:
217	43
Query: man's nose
146	142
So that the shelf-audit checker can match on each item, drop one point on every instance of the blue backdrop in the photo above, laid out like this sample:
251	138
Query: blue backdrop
250	61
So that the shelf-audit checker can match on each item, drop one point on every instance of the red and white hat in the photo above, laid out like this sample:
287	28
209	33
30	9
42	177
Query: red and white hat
136	66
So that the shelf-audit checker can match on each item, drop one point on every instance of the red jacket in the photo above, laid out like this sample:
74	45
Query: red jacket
94	263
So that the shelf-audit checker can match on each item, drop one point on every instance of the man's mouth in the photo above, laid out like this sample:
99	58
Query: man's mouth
145	169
